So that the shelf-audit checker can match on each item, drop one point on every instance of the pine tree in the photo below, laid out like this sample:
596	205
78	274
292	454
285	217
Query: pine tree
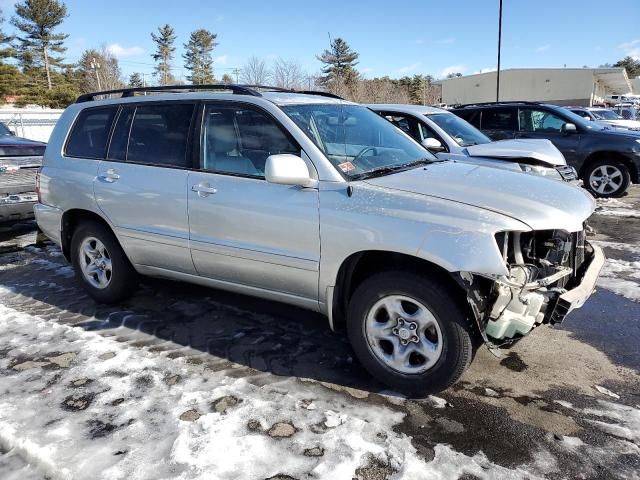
38	42
135	80
631	65
197	57
10	76
164	53
340	62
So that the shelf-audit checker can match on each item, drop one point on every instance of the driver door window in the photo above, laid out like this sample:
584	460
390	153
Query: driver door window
238	141
540	121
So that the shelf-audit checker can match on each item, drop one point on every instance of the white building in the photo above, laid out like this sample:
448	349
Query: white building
562	86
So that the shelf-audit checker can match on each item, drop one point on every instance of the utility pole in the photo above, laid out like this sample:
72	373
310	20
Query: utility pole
95	65
236	72
499	48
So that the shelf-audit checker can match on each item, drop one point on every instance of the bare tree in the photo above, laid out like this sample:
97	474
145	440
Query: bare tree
99	70
255	72
288	74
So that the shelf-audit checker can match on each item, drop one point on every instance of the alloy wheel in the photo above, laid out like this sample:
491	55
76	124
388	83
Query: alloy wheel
95	262
606	179
403	334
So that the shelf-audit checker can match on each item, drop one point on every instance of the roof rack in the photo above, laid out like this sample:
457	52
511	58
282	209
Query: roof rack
252	90
512	102
130	92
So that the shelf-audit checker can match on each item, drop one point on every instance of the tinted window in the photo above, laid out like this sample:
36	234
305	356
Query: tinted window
499	119
120	137
408	125
4	130
90	133
540	121
464	134
471	116
159	134
239	140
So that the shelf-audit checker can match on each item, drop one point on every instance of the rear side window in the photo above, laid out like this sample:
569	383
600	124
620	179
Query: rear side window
499	119
120	137
471	116
159	135
90	132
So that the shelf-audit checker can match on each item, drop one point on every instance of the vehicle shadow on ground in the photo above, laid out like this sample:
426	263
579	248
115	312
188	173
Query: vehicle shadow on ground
261	335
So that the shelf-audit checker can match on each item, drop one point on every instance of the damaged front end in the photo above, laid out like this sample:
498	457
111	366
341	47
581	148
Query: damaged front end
550	273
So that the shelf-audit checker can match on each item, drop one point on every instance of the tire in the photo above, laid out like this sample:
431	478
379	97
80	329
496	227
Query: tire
615	177
121	278
453	338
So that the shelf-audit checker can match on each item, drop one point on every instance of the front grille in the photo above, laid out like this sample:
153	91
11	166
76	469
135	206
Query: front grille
567	173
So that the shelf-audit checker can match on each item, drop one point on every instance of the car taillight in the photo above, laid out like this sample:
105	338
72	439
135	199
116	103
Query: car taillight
38	184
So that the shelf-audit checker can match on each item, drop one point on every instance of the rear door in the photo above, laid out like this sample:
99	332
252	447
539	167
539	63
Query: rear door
243	229
543	123
142	185
499	123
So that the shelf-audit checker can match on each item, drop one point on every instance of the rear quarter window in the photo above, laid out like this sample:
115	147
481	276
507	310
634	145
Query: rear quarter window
499	119
90	133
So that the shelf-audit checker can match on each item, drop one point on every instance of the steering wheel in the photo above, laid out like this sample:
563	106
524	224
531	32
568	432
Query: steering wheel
362	152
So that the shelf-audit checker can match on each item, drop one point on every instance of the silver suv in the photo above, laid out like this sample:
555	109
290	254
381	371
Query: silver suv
314	201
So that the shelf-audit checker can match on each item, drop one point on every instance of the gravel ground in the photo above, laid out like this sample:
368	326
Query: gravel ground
187	382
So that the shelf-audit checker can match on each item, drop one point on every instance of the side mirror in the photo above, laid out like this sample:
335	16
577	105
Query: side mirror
287	169
432	144
569	128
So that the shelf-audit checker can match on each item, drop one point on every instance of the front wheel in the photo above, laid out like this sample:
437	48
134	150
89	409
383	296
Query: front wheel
409	332
100	264
607	178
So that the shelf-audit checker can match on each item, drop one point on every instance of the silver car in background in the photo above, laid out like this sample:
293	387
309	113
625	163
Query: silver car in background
317	202
449	137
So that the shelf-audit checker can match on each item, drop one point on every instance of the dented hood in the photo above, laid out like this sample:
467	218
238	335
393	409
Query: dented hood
541	150
541	203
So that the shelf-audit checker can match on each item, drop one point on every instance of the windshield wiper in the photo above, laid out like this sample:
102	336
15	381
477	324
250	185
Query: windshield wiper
377	172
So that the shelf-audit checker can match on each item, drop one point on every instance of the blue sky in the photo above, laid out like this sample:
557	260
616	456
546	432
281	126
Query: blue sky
393	38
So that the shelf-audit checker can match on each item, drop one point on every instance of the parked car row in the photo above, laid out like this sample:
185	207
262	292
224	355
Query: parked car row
606	117
607	159
19	161
311	200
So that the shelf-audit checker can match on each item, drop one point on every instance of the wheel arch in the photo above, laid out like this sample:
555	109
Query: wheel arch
360	265
70	221
607	155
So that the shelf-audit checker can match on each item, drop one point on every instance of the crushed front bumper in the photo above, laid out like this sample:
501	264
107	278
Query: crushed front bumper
577	296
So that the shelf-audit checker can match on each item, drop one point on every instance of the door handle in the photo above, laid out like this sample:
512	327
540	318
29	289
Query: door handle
203	189
109	176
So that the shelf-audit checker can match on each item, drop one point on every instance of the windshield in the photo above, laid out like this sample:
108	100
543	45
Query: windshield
4	130
460	130
358	142
578	120
606	115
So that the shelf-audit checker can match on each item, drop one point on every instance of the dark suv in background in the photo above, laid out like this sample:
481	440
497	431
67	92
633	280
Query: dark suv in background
607	159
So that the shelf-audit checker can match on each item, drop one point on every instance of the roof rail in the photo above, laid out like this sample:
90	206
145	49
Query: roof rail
510	102
252	90
287	90
130	92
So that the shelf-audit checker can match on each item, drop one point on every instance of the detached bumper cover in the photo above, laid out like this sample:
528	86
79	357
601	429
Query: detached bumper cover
577	296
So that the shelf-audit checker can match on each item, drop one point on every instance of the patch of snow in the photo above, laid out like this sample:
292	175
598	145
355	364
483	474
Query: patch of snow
104	410
606	391
438	402
618	212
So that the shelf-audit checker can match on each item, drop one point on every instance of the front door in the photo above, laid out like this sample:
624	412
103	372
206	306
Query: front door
244	230
142	186
541	123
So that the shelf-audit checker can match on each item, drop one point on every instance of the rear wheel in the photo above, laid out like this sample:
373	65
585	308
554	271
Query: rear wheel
607	178
409	332
100	264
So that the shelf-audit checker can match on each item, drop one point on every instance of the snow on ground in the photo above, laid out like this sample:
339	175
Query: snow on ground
620	276
75	404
